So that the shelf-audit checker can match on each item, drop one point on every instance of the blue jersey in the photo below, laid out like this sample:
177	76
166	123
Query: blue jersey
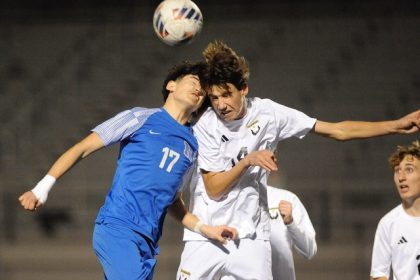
155	154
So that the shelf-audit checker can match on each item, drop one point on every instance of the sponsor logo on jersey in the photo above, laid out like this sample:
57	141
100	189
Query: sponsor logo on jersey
153	132
254	127
224	138
402	240
274	213
184	275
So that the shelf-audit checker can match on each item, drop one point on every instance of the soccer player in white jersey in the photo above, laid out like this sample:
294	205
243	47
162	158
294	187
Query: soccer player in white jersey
236	139
157	150
291	229
397	239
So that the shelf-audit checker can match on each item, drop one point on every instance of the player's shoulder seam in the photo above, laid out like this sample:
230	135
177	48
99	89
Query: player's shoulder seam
137	111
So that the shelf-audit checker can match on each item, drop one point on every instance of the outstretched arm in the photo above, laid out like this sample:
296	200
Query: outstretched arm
219	233
348	130
33	199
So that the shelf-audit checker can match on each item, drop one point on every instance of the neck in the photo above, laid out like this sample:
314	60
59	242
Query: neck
412	207
180	115
243	109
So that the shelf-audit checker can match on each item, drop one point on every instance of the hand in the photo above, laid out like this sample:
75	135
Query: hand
285	209
263	158
29	201
219	233
409	123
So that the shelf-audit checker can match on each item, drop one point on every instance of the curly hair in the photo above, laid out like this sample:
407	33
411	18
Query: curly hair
225	66
402	151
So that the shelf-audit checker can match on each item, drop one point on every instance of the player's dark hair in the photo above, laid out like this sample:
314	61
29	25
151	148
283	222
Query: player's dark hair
225	66
179	71
402	151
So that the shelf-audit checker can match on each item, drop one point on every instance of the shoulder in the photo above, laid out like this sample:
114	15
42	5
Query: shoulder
208	114
142	111
207	120
280	192
275	195
261	102
392	216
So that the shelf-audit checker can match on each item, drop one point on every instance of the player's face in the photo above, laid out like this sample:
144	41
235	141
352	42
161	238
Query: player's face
188	91
228	102
407	178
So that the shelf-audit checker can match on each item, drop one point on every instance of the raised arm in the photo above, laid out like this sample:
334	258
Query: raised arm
33	199
348	130
220	233
299	226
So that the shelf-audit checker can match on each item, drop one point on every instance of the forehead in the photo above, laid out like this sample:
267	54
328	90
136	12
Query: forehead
410	160
217	90
189	77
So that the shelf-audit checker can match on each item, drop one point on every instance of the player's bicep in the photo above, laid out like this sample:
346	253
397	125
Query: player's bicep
91	143
207	176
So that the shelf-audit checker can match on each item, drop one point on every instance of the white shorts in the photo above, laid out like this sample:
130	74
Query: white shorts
243	259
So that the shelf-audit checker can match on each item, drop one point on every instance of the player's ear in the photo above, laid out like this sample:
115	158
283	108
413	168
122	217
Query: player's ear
244	91
170	86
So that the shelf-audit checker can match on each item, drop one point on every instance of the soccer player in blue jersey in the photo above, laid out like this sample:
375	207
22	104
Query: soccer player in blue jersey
157	152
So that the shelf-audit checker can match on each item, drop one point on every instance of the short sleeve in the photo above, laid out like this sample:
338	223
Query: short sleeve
290	122
123	125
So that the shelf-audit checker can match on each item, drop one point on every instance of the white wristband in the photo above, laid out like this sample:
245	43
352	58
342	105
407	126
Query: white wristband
43	187
197	227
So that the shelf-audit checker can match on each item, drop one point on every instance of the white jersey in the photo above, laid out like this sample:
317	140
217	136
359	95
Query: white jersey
397	245
222	145
300	234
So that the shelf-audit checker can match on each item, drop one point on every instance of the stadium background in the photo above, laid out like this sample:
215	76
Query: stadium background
67	65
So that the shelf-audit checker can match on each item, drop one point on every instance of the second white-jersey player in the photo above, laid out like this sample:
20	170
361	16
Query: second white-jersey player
298	235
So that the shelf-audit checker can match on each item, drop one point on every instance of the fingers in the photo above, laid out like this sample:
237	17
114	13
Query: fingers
223	234
264	159
29	202
38	204
229	233
285	209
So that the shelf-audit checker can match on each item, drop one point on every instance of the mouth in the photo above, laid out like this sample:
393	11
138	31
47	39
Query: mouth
224	114
197	96
404	188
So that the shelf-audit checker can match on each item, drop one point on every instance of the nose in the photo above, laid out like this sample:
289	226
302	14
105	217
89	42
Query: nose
221	105
400	176
200	91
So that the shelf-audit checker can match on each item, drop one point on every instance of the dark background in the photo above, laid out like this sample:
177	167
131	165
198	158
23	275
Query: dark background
65	66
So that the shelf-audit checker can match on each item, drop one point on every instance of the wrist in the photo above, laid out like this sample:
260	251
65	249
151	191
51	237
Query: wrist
43	187
289	223
198	226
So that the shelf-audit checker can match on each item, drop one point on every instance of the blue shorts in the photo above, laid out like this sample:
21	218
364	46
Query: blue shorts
123	253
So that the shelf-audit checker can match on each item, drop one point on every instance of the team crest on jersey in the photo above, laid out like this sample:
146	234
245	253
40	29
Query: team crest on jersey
274	213
254	127
188	151
184	275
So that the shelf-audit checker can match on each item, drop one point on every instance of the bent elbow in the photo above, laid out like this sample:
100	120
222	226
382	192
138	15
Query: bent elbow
312	253
213	195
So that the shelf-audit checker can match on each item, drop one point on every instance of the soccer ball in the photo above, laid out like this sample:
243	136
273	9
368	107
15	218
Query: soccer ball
177	22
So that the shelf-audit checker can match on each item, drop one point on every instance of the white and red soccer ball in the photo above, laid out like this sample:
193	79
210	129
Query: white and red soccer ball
177	22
